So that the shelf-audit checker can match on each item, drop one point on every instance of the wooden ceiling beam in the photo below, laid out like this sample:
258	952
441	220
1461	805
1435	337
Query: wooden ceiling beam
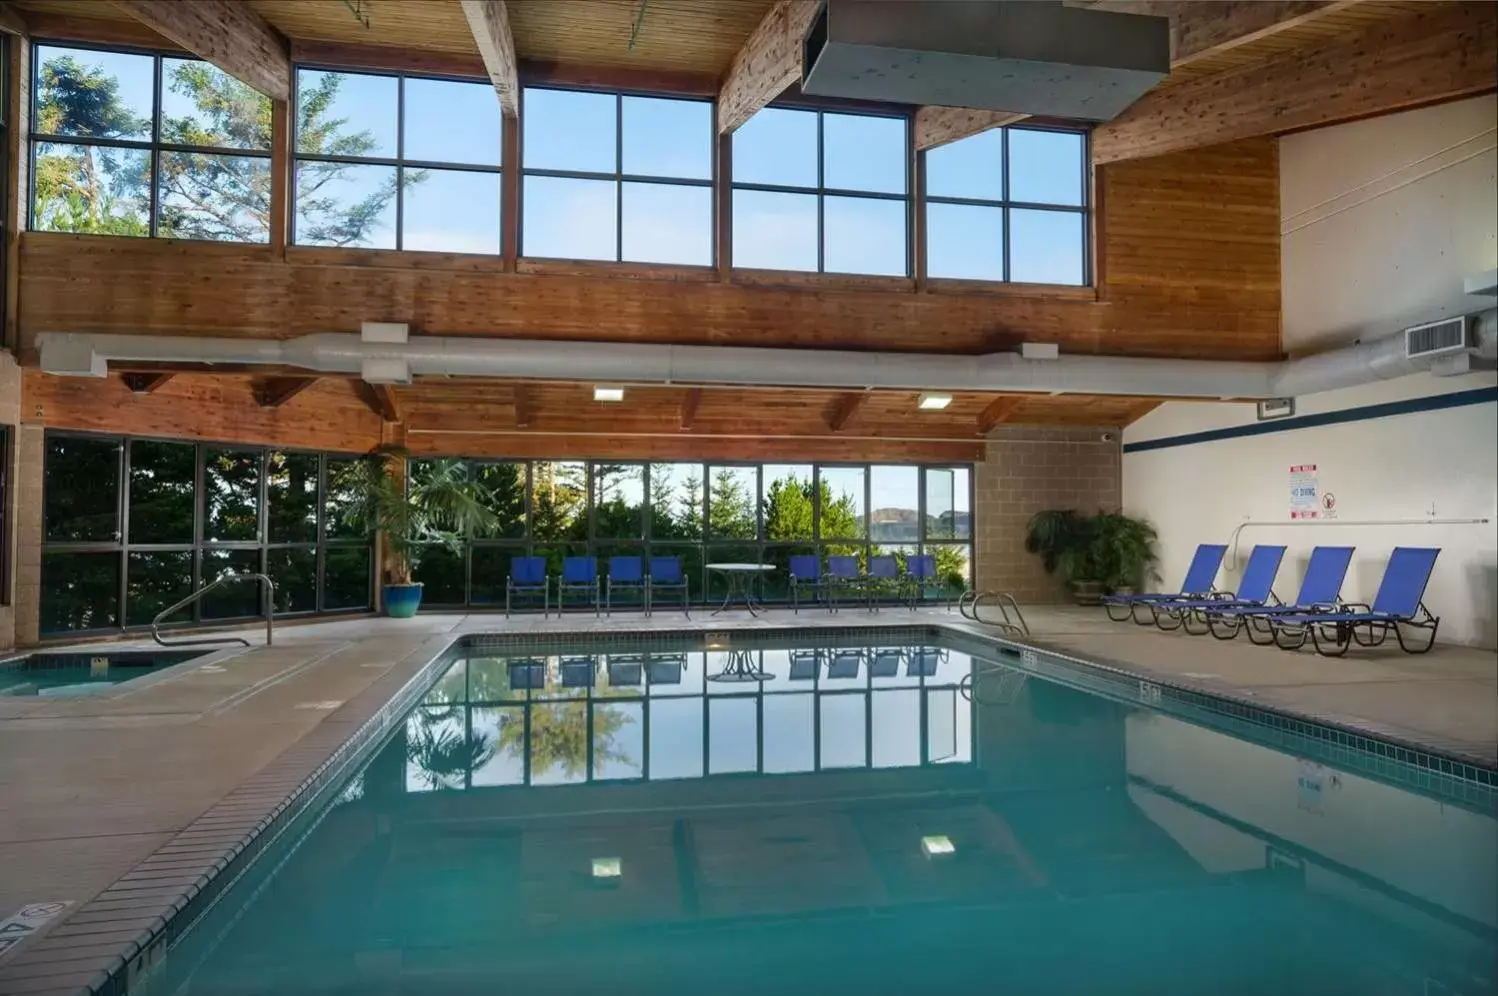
1197	30
227	33
999	410
1444	52
145	383
843	410
1141	409
276	391
490	23
378	398
768	62
524	405
11	21
689	404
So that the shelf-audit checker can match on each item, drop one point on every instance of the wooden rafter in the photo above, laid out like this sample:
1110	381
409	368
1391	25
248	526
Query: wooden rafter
1141	409
378	398
1445	52
145	383
1198	29
11	21
225	32
689	404
276	391
843	410
490	23
768	62
523	404
999	410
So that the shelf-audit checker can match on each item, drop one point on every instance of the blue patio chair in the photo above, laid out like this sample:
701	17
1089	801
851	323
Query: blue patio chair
578	574
527	674
528	576
578	672
924	662
845	662
806	664
626	670
1320	591
1198	584
883	577
1399	604
806	575
1255	590
665	575
920	577
625	574
885	662
842	576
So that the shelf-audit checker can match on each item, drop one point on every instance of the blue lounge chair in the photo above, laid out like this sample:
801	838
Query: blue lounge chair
1255	590
578	574
842	576
806	575
665	575
625	574
528	576
884	577
920	576
1197	585
1320	590
1400	602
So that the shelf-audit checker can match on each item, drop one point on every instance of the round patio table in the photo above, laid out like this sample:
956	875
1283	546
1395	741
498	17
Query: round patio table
738	576
741	667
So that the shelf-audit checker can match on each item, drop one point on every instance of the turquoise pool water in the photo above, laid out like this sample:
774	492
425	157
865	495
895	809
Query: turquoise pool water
744	816
59	675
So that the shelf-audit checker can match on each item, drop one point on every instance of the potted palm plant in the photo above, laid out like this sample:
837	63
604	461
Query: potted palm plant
437	506
1126	551
1065	541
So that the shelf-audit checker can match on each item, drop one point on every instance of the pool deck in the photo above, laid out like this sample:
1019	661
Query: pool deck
91	789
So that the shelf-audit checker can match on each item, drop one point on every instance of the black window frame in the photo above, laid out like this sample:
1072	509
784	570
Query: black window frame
822	191
154	145
1008	205
618	177
399	161
198	546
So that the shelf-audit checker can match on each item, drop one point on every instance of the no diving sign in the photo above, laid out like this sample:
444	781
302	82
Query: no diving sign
1328	505
26	921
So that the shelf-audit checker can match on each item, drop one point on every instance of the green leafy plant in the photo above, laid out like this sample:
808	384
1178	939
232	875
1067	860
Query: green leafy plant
1124	550
1063	539
436	506
1108	548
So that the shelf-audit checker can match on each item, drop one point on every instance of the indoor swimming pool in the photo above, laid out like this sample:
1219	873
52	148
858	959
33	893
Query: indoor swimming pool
888	812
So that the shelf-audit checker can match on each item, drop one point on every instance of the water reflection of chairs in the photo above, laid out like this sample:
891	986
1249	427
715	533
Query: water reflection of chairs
806	664
626	670
665	669
884	662
924	662
579	672
527	673
845	662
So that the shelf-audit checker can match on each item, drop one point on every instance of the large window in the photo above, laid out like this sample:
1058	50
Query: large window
134	525
615	177
821	191
703	513
127	143
1008	204
396	162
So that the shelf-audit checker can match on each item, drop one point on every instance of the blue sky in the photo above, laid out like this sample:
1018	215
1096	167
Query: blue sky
458	210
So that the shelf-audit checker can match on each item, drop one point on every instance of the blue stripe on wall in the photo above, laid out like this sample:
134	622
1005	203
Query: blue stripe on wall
1436	402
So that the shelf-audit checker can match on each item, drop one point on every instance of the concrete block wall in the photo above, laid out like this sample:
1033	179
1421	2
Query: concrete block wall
1028	469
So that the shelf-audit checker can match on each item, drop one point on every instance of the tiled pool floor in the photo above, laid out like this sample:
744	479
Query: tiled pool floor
90	788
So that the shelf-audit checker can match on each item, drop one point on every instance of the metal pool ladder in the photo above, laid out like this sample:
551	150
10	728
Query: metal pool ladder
268	601
1011	625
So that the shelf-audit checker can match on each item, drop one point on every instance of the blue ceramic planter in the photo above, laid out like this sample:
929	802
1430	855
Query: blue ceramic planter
402	600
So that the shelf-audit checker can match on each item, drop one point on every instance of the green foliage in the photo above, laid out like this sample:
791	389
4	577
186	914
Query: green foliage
1108	547
681	519
107	191
731	510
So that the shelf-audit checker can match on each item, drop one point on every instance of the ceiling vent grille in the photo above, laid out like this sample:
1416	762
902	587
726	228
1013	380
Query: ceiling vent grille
1451	335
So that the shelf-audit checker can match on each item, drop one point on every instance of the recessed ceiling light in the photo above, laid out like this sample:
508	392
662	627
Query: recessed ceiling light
601	393
937	845
934	402
608	867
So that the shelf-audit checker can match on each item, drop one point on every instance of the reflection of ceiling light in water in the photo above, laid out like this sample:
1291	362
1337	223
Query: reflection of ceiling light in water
607	868
937	845
934	402
601	393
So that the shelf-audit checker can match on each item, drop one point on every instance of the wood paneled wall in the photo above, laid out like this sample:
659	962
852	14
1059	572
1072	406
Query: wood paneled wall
1190	249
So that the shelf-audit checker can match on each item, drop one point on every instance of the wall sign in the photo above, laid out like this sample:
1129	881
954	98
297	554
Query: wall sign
1304	487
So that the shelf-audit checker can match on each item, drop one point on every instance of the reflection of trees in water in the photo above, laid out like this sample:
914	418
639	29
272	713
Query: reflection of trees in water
441	752
559	738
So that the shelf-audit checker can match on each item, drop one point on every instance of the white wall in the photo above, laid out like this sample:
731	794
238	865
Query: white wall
1382	220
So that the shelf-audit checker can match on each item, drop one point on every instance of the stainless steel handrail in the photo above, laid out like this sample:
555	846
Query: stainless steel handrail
268	601
972	601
